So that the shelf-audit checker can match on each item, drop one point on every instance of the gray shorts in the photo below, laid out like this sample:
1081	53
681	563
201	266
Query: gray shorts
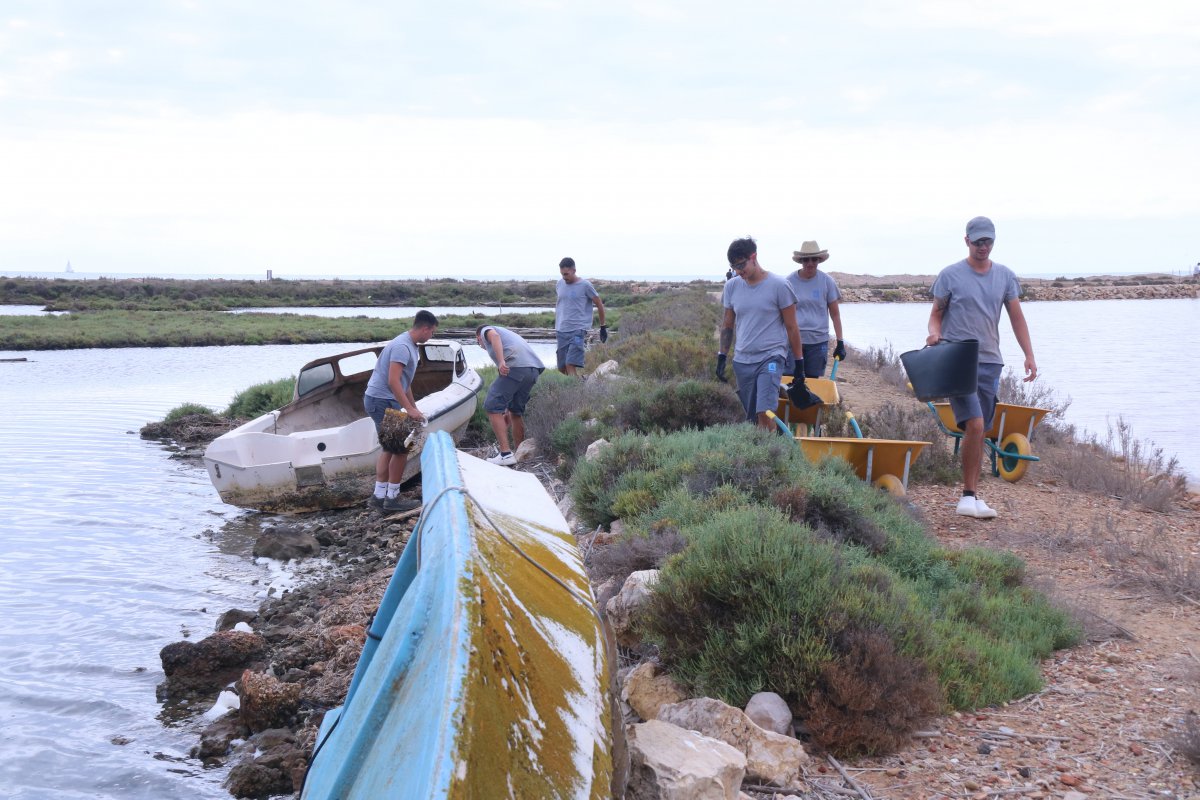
377	406
983	402
511	392
570	348
758	386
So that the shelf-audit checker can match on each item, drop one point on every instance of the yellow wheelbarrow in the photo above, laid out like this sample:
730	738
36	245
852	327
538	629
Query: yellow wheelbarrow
884	463
793	416
1008	441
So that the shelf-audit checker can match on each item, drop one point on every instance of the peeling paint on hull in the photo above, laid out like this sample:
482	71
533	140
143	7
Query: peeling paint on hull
489	678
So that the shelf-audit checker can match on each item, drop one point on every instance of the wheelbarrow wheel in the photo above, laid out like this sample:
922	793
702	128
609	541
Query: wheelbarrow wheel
891	484
1011	469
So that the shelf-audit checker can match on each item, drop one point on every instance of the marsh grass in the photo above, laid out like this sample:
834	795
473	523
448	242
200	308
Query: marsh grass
1149	561
886	361
1121	465
261	398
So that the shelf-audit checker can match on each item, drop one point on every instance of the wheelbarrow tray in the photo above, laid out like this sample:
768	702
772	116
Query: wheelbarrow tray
871	458
824	388
1009	418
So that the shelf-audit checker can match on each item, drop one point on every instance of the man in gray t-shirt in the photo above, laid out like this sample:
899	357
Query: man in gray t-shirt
967	299
573	316
390	387
817	299
762	309
519	368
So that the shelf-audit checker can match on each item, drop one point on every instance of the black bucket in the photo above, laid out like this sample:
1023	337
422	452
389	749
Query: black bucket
946	369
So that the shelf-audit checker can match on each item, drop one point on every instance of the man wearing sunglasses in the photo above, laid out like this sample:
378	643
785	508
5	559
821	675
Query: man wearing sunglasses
967	299
762	309
817	298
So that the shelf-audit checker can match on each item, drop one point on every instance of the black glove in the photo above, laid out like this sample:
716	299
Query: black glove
721	368
604	334
798	371
839	352
798	392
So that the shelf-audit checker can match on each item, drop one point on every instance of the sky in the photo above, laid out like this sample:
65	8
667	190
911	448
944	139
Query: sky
490	139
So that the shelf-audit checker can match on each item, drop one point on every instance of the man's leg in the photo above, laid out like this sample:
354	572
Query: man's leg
381	466
972	453
396	464
500	428
518	429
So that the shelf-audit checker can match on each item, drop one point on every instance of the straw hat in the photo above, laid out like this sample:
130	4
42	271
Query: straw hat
810	250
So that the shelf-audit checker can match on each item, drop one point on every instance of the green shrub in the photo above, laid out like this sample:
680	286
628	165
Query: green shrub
186	410
261	398
673	405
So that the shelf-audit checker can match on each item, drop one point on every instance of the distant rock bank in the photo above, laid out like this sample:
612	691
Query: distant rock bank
915	288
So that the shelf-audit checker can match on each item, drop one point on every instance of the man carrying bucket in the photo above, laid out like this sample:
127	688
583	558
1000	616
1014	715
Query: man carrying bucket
763	309
817	299
967	298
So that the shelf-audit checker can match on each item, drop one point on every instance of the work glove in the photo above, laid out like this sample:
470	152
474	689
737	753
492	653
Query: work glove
604	334
839	352
799	394
721	368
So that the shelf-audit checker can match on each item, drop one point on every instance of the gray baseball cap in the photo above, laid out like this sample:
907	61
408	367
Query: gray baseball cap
980	228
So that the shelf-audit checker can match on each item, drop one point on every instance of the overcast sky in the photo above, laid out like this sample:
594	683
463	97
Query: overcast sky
492	138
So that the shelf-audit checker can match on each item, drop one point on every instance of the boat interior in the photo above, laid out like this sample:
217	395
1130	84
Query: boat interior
329	391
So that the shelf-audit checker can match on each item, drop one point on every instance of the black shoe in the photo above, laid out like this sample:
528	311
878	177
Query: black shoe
375	503
394	505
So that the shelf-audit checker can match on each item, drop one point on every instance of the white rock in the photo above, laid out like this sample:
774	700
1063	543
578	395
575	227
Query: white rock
770	757
605	370
622	610
594	449
770	711
670	763
646	689
526	450
243	627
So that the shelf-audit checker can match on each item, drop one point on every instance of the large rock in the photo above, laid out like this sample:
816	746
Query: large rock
769	711
646	689
606	370
211	663
285	545
670	763
622	610
594	449
770	757
266	702
526	450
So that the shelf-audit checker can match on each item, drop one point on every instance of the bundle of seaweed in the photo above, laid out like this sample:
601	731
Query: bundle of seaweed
400	434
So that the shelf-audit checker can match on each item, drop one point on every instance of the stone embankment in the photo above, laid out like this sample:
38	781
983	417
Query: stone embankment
915	288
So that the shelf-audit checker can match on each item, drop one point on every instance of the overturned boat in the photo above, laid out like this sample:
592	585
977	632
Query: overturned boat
484	671
319	450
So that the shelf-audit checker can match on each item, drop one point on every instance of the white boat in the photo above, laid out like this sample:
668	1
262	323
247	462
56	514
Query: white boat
319	450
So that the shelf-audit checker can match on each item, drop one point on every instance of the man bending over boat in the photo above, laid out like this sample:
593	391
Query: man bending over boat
519	369
391	387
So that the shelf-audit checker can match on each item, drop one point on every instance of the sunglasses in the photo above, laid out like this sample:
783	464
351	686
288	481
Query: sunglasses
982	243
741	265
809	260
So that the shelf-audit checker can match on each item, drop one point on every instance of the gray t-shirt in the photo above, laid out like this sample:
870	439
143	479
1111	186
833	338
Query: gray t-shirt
402	350
974	305
517	352
813	297
757	321
573	309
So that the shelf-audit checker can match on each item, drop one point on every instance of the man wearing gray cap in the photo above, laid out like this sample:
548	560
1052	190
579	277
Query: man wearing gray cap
967	298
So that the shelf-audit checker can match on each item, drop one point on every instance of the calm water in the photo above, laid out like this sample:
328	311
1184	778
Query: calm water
1135	359
111	550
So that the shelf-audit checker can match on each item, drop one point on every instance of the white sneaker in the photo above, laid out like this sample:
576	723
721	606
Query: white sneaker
507	460
974	507
983	510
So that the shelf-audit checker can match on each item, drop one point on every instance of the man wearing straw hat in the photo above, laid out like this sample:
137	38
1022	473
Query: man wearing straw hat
763	310
967	298
817	299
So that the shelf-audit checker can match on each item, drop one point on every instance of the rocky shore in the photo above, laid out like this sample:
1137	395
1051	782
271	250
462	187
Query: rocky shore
1114	719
